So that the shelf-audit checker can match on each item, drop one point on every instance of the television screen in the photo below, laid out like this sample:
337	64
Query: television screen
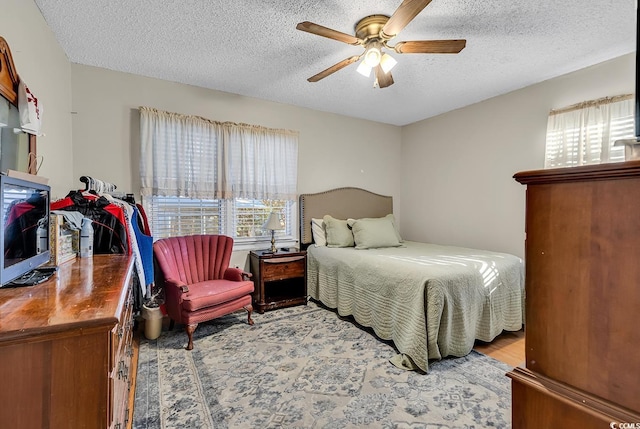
25	233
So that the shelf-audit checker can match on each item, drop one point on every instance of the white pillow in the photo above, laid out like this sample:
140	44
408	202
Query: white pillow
318	232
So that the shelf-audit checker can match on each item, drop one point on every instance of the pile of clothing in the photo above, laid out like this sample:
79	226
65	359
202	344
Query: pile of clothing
120	226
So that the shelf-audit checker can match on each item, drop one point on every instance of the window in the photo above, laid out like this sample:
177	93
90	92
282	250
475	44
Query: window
240	218
173	216
585	133
205	177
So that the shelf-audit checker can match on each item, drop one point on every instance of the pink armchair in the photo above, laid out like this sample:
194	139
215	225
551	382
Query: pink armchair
198	283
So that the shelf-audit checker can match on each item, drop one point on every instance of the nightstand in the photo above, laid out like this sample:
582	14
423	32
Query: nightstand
280	279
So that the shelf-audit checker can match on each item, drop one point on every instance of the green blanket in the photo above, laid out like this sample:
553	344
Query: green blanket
431	301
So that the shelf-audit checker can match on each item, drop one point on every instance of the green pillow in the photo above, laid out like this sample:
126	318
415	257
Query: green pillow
338	232
373	233
395	226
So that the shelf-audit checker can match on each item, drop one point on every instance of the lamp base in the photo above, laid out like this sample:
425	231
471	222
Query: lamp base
273	248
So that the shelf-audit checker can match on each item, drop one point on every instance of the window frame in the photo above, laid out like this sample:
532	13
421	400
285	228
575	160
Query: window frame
226	225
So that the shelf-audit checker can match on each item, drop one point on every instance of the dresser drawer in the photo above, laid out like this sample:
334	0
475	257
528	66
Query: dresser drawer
122	333
283	268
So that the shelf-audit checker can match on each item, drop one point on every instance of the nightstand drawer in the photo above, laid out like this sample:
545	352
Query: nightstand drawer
282	268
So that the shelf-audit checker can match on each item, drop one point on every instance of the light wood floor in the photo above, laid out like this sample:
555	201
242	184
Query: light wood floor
508	347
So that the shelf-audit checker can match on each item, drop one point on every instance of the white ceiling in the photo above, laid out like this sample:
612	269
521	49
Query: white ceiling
251	47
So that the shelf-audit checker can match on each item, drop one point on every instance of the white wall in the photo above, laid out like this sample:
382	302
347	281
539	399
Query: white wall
333	150
42	64
451	176
457	185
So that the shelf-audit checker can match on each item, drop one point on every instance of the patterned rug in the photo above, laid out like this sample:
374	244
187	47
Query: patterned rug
306	367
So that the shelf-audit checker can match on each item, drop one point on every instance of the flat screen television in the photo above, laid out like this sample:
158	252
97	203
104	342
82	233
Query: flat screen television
24	206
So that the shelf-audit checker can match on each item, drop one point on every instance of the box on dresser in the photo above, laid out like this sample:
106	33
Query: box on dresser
64	241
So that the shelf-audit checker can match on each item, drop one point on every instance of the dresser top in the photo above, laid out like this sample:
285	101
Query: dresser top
607	171
86	292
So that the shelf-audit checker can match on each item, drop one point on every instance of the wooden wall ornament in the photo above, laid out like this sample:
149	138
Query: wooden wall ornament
9	78
9	81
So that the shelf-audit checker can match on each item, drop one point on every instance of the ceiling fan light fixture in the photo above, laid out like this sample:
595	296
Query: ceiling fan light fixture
387	62
373	33
364	69
372	56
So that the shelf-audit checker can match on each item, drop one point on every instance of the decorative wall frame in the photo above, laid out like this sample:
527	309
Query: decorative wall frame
9	80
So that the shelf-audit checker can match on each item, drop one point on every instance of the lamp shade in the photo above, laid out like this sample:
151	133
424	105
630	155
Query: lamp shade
387	62
273	223
364	69
372	55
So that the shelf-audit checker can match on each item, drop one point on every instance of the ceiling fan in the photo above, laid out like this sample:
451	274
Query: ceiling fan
374	32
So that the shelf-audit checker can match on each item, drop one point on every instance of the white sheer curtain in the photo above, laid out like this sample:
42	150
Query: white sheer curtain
190	156
259	163
585	133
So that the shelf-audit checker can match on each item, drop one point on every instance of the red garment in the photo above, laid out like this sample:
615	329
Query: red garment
111	234
145	221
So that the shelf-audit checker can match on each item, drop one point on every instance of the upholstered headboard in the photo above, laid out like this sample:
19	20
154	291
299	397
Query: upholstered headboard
341	203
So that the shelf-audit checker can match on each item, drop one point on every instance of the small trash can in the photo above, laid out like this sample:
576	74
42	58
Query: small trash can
152	322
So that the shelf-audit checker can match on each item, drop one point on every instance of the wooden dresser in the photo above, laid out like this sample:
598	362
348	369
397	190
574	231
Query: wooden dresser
66	347
582	330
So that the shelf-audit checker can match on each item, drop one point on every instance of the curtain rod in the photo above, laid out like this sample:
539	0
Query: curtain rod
591	103
211	121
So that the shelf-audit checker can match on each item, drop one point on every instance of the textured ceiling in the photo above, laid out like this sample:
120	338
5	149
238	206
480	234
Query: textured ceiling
252	48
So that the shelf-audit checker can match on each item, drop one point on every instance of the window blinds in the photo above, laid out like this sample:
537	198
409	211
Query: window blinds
585	133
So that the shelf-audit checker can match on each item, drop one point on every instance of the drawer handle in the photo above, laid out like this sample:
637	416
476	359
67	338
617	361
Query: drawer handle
122	370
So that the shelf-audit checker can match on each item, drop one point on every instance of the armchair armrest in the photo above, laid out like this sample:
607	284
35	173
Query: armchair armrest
236	275
175	284
173	292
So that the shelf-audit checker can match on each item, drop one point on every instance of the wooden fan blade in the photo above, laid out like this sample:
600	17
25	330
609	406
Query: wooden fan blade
334	68
319	30
408	10
384	79
431	46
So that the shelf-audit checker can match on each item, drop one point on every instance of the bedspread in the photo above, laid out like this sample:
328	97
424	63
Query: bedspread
432	301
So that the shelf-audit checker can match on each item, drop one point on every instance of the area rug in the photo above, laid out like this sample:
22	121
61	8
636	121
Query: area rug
306	367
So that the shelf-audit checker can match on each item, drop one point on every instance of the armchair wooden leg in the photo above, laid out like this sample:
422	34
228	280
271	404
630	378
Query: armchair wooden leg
171	324
249	309
190	330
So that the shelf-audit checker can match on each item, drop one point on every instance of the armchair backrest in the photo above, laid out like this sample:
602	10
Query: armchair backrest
193	258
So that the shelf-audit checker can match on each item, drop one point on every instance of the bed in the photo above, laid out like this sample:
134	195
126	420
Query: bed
432	301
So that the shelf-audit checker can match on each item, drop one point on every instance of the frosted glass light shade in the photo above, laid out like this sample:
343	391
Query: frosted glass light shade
372	56
364	69
387	62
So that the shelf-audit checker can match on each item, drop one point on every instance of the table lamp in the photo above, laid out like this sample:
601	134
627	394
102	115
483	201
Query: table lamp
273	224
